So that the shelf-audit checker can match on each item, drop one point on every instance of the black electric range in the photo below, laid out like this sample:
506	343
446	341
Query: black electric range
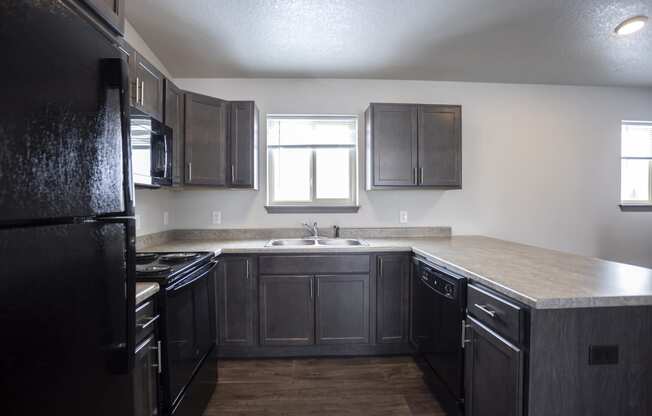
187	313
166	268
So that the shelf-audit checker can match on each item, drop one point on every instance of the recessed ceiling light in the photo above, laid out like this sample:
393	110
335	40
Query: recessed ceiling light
631	25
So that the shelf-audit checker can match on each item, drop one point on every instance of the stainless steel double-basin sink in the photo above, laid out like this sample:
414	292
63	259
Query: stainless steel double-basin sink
296	242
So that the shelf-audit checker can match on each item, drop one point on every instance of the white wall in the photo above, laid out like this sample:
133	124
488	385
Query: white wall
541	163
150	204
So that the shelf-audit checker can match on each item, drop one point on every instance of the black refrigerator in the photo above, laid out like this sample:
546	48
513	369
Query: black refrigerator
67	231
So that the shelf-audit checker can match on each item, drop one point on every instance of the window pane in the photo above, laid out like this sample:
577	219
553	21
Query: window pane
635	180
291	173
307	131
333	172
637	140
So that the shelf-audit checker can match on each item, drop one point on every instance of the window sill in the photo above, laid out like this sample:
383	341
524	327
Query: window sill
298	209
635	207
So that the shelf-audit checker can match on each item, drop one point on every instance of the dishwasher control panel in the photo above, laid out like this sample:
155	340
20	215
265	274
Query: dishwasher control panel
440	282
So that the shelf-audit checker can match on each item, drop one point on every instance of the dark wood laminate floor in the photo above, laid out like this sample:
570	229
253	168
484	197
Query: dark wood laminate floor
322	386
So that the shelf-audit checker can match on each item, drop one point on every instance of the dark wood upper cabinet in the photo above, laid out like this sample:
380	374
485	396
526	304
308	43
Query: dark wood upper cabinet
342	315
111	11
236	301
286	306
413	145
174	117
148	88
205	140
243	143
392	286
440	145
392	143
146	83
493	374
130	53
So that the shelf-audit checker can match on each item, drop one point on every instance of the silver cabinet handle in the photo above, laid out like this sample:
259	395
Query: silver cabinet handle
311	288
137	90
142	93
420	176
464	339
232	173
247	275
159	355
150	321
414	177
486	310
189	171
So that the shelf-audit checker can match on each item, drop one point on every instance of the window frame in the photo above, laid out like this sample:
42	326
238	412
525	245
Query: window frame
315	204
635	203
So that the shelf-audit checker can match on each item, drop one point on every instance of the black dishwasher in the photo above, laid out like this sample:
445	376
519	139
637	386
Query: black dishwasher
437	329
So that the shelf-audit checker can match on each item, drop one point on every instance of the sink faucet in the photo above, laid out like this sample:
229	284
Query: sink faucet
312	228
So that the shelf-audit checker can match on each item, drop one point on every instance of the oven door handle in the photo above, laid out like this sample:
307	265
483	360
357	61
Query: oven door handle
200	275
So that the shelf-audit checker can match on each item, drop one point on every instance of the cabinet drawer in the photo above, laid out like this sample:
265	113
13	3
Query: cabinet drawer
497	313
146	318
314	264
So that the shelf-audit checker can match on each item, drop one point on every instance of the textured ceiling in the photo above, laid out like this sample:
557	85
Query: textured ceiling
520	41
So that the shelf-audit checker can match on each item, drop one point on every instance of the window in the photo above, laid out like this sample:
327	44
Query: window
636	163
311	161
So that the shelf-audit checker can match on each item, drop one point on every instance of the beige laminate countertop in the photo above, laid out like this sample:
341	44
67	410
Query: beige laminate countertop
540	278
145	290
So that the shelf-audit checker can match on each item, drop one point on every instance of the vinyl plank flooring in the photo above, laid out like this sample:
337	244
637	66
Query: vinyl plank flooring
378	386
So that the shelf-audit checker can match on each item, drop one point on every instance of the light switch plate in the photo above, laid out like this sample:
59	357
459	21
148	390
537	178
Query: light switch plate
403	217
217	217
166	218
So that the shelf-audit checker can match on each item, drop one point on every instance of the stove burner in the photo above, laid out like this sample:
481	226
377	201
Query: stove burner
178	257
152	269
142	258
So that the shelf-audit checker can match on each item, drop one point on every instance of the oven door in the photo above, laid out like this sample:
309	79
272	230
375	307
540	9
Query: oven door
188	329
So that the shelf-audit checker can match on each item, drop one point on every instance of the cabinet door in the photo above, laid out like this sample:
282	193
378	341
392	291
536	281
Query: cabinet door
493	374
205	336
440	145
342	309
174	118
149	88
243	141
392	298
111	11
146	382
236	305
130	54
394	144
287	310
205	140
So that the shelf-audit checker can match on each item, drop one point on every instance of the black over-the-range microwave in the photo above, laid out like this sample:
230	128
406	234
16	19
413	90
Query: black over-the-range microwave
151	150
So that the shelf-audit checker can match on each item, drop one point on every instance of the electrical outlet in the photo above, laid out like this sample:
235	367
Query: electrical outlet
402	217
166	218
217	217
137	222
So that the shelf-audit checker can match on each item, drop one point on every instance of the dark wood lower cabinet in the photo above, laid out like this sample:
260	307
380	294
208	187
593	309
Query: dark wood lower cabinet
287	310
342	309
236	301
145	376
392	290
493	374
146	380
312	305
